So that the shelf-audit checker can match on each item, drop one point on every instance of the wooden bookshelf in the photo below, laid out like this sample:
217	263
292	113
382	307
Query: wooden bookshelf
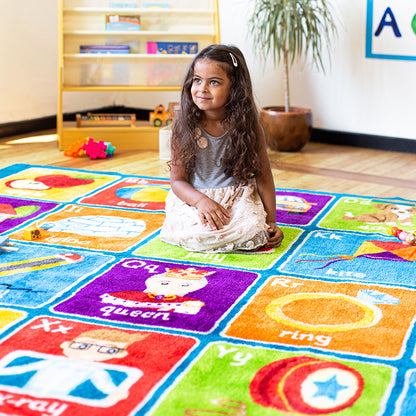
82	22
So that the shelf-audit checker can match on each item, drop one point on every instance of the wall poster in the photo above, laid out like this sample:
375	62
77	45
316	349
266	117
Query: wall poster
391	29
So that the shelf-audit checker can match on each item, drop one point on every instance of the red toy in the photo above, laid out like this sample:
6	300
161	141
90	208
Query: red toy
98	149
407	238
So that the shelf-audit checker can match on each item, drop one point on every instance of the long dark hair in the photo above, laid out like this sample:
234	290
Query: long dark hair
241	117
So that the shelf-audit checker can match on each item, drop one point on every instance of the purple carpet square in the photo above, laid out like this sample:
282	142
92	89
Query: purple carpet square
146	292
299	208
14	212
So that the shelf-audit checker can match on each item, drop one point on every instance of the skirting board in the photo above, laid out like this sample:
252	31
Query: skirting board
369	141
27	126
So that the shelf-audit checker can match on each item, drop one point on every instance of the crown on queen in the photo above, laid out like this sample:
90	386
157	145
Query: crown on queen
187	274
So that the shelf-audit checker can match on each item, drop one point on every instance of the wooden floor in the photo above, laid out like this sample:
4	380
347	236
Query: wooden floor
318	167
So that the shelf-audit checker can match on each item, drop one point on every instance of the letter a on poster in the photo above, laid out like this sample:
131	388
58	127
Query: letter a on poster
391	29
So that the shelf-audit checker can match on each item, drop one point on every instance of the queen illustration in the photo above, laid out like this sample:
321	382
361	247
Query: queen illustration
165	292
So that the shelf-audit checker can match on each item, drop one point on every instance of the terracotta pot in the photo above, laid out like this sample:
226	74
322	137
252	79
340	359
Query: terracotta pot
287	131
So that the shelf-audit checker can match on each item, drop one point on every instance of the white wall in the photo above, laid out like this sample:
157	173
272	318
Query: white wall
357	94
371	96
27	59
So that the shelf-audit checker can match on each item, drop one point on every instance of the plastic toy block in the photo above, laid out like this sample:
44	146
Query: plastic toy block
76	149
31	234
6	245
95	149
110	149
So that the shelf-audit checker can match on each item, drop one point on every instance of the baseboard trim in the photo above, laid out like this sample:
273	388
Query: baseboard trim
318	135
17	128
369	141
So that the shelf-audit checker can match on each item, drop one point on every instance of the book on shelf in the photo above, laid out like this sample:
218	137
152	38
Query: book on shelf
122	4
166	75
172	47
155	5
108	73
122	22
105	49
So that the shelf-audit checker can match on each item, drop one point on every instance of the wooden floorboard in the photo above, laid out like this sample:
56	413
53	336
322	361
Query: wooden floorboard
340	174
318	167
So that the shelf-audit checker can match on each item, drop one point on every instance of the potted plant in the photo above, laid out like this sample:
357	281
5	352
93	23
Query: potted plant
290	29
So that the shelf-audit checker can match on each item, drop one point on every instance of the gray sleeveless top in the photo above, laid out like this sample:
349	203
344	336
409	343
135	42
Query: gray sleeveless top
208	172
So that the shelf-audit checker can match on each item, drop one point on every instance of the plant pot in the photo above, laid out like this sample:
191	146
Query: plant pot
286	131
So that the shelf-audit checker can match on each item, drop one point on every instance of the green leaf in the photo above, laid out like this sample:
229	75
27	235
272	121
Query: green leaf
293	26
290	29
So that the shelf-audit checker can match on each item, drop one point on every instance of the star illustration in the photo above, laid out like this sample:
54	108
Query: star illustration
329	388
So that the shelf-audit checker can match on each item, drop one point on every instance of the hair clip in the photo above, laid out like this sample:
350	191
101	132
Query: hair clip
234	59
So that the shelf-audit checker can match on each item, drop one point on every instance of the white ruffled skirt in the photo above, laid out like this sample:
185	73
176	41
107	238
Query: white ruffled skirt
247	229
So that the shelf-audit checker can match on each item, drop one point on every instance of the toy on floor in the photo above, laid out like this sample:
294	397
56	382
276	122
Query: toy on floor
6	245
88	146
407	238
110	149
98	149
32	234
76	149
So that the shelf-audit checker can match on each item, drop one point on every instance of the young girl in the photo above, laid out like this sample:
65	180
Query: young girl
223	196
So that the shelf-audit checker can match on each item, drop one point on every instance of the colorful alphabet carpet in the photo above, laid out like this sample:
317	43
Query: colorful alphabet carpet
99	317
